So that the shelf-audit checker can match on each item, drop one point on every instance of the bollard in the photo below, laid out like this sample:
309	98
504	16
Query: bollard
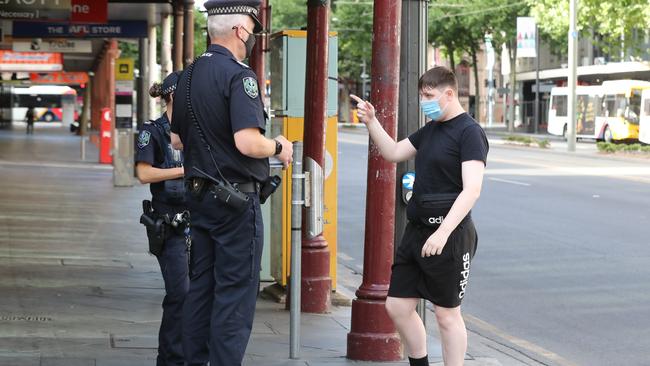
297	201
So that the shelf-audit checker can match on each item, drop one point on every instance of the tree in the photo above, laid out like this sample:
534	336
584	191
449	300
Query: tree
459	26
353	22
288	14
200	32
615	24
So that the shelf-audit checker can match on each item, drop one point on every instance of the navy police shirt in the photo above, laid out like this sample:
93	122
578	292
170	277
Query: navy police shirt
225	98
152	145
442	147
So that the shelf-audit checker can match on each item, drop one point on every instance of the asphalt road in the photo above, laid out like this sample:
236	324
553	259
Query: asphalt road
561	271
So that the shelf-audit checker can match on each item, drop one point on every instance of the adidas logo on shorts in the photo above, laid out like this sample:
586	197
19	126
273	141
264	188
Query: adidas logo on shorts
436	220
464	275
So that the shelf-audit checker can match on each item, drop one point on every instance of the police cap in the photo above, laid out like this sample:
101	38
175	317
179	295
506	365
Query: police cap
248	7
169	84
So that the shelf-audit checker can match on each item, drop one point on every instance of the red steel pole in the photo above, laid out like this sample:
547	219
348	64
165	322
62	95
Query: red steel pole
373	336
257	57
316	282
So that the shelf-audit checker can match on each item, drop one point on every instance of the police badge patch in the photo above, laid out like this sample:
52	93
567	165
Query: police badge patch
143	139
250	87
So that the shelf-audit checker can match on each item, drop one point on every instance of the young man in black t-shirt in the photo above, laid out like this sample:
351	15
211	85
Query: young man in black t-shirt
439	242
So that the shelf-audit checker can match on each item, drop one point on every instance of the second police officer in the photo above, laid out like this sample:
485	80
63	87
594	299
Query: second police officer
219	117
165	217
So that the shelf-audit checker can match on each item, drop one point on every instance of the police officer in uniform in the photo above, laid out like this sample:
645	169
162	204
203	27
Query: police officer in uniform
434	258
158	164
219	117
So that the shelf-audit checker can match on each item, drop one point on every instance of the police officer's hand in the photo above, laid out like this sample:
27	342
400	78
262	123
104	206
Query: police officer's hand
286	155
365	110
435	244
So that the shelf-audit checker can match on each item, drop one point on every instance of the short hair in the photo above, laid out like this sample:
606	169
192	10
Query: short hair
220	25
438	78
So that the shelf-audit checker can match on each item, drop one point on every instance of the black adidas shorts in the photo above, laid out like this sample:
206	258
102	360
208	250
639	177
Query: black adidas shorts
441	279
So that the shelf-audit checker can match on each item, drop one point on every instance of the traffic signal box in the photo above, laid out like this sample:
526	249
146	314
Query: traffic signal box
288	67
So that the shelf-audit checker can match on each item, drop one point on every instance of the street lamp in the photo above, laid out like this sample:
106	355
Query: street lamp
489	66
364	79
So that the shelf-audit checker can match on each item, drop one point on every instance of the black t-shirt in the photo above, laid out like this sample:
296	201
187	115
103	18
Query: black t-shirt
441	149
152	145
225	99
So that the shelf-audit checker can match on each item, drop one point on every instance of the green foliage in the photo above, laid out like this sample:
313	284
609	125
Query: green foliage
544	144
461	25
608	19
129	49
610	147
353	22
288	14
200	32
527	141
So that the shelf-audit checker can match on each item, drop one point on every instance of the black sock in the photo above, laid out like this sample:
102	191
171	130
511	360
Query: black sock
424	361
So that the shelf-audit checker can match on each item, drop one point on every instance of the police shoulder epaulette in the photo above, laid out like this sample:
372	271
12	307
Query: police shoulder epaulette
148	122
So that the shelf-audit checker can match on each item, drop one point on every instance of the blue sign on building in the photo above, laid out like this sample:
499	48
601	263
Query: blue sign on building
121	29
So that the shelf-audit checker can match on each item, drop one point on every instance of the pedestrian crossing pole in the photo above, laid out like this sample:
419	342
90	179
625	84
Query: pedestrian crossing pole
572	81
297	202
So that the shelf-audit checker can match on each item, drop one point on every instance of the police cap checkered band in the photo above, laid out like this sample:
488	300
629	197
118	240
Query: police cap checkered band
168	90
169	84
239	9
247	7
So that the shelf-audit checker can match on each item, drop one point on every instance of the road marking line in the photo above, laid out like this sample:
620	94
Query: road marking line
526	345
509	181
345	257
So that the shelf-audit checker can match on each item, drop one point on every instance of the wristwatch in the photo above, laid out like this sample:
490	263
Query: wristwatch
278	147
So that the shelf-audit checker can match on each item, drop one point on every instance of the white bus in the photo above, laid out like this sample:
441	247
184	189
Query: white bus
644	120
47	101
609	112
587	108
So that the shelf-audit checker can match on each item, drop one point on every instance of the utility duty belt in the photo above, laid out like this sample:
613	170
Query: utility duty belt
231	194
431	209
161	226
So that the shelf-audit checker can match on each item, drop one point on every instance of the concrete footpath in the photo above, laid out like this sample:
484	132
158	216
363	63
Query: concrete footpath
78	287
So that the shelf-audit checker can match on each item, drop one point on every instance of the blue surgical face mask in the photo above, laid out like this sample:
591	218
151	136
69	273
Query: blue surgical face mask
431	108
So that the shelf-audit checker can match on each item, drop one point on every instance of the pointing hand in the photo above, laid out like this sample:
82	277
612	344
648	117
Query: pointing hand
365	110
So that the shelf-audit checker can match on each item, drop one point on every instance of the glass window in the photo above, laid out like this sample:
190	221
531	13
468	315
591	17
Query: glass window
559	104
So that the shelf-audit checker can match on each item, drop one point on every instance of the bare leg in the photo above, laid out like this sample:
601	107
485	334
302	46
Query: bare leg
452	334
409	325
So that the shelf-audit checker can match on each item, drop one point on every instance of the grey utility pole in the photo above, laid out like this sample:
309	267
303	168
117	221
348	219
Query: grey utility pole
297	202
573	66
537	57
413	63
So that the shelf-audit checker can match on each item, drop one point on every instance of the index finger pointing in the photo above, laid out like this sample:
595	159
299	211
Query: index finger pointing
356	99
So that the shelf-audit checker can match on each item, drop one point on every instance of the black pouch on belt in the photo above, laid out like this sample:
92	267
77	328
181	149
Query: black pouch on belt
156	228
430	209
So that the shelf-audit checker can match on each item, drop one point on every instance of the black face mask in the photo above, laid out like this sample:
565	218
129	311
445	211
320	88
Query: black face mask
249	44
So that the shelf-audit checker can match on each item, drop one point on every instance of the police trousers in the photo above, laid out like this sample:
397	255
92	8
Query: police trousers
224	281
173	265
